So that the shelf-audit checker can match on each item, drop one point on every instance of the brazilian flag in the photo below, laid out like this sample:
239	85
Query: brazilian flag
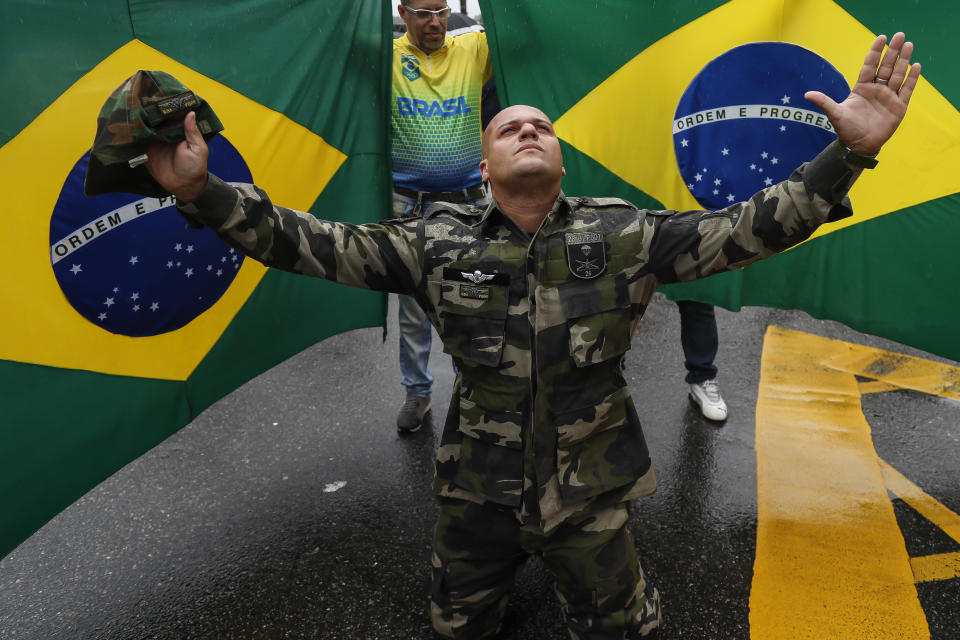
698	104
119	324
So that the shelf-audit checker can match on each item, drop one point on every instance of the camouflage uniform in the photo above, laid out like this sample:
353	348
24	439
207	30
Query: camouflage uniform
478	549
541	423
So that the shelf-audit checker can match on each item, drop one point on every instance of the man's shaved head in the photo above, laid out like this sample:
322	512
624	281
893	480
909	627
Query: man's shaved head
506	115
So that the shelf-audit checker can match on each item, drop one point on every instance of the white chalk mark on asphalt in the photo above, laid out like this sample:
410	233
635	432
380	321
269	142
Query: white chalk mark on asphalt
335	486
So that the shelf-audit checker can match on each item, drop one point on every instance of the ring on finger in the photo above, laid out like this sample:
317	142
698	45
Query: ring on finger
880	80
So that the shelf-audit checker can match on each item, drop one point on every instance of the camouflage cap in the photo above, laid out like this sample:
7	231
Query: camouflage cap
148	107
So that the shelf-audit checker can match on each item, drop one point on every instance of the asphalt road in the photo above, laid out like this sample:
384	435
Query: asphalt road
293	509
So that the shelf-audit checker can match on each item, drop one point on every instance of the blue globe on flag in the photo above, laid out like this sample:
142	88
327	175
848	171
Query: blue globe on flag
130	264
743	123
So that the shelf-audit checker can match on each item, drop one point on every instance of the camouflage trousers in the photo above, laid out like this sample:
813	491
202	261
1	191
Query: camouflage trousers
478	550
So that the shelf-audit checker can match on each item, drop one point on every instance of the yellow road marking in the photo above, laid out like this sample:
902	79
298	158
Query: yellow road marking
925	505
905	372
875	386
941	566
830	559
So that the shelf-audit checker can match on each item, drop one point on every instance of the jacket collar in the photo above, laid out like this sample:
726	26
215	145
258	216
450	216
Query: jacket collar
561	209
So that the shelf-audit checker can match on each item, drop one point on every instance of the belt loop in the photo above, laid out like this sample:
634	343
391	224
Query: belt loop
418	208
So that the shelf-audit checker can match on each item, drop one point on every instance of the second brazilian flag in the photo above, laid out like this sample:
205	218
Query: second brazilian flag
699	104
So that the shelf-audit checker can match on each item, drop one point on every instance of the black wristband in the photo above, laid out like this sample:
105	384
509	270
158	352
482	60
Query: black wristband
857	159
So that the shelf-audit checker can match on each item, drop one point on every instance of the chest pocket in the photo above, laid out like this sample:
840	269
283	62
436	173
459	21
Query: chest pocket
473	314
598	318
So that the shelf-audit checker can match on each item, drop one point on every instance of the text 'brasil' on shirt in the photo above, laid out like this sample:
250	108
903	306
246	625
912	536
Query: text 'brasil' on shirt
435	113
414	107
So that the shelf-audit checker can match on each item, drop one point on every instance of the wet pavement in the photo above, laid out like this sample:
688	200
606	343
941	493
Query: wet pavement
293	509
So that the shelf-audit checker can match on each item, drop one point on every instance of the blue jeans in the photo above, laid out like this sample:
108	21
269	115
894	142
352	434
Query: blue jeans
698	335
416	334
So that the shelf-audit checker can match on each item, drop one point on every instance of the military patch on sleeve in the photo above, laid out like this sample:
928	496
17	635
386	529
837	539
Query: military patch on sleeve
586	257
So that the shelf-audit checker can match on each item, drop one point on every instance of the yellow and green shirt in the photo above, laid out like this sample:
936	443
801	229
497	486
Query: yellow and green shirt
435	113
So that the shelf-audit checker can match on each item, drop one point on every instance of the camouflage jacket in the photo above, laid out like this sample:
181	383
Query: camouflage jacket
540	419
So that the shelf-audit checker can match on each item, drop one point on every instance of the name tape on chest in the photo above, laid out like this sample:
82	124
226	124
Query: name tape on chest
475	283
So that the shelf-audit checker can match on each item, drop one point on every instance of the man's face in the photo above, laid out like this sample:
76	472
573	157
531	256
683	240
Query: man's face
426	31
520	142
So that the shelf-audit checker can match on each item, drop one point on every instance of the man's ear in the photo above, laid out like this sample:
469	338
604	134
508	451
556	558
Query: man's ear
484	174
563	171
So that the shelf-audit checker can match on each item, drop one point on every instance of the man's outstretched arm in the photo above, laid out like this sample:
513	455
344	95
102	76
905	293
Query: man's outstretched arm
372	256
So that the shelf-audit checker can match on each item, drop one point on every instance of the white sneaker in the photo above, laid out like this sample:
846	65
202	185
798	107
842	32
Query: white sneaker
707	396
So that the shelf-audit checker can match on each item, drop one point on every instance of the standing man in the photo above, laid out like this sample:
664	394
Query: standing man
537	298
437	86
700	341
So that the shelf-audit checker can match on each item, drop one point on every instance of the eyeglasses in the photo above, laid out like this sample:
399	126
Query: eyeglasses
426	14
